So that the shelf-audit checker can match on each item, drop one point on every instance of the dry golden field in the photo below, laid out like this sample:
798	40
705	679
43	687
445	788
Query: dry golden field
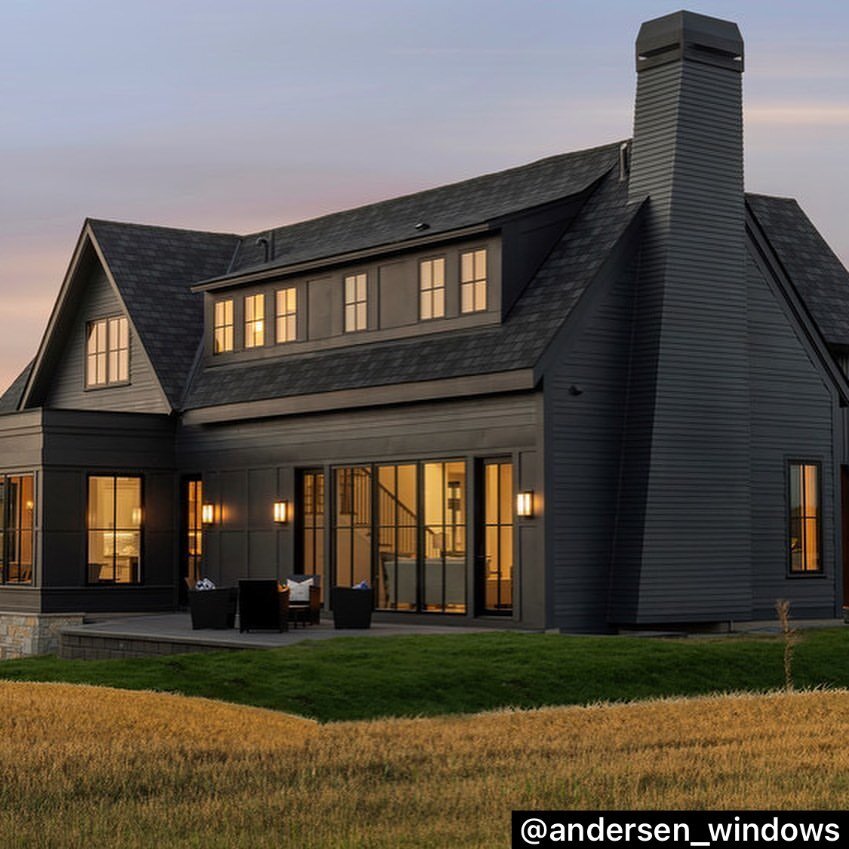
93	767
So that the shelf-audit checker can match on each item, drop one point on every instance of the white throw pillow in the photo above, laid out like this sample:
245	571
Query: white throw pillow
299	590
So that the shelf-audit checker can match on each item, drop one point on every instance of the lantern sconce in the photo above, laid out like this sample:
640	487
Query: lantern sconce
282	513
525	503
207	514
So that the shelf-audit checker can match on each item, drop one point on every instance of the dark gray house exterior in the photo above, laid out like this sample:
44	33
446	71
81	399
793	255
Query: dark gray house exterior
604	390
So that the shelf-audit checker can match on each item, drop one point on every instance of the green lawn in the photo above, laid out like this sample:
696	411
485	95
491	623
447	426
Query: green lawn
362	678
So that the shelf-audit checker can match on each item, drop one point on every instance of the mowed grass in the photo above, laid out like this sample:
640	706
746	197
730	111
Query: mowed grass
90	767
362	678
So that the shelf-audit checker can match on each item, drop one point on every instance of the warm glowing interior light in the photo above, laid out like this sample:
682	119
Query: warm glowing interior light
525	503
281	512
207	514
137	515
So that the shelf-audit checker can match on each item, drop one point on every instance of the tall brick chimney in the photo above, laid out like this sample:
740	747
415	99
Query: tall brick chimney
682	550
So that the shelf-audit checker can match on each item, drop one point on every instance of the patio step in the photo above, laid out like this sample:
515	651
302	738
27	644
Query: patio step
74	643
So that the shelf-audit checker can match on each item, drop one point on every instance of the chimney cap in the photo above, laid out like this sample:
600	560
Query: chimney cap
688	35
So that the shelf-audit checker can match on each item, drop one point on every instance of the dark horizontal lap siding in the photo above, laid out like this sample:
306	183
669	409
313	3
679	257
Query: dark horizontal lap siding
67	390
583	460
683	542
792	418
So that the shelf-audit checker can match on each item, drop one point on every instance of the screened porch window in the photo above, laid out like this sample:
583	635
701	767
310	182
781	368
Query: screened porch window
114	529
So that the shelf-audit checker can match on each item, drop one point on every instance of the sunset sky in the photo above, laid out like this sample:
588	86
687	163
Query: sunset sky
237	116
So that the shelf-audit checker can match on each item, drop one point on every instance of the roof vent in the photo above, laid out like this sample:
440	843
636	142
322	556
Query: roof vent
422	225
265	241
624	161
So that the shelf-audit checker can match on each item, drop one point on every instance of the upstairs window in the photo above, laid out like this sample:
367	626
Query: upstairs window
805	530
356	297
287	315
254	321
107	351
473	281
222	335
432	288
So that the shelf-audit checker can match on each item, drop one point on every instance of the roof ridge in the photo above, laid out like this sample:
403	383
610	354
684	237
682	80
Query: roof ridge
162	228
770	197
452	184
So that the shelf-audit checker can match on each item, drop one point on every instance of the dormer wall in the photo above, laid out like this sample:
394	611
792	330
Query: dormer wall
398	303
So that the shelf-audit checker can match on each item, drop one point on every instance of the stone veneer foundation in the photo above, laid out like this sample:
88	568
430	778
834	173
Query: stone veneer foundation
24	634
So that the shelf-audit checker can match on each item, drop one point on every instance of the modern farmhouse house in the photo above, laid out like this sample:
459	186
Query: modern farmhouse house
607	389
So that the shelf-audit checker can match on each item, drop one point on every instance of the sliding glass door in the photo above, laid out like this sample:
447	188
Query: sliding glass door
402	528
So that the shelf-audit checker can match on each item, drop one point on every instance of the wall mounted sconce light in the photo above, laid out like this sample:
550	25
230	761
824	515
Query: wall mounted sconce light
207	514
525	503
281	512
137	516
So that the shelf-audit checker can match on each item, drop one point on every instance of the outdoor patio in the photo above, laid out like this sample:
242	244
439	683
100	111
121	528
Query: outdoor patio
172	633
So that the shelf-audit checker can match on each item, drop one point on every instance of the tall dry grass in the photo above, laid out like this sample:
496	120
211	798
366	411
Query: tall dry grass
82	766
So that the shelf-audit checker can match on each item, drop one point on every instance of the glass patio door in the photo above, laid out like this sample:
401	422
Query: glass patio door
495	560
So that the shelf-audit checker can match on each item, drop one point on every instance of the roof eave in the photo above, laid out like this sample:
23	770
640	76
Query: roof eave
265	273
517	380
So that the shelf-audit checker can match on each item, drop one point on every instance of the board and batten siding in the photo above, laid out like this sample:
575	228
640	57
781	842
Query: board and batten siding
248	465
67	389
792	419
583	456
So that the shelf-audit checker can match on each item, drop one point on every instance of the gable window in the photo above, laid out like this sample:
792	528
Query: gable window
17	512
107	351
473	281
254	321
805	527
114	525
287	315
223	327
356	315
432	288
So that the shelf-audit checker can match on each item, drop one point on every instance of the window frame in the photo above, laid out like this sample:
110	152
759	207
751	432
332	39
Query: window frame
355	278
254	325
141	528
474	281
285	316
5	530
110	354
820	570
431	290
224	326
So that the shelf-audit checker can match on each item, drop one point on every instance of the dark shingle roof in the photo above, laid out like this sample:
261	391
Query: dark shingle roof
10	399
516	343
818	275
153	268
444	209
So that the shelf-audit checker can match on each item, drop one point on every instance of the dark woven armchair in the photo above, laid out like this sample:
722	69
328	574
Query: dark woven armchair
213	608
263	605
352	607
